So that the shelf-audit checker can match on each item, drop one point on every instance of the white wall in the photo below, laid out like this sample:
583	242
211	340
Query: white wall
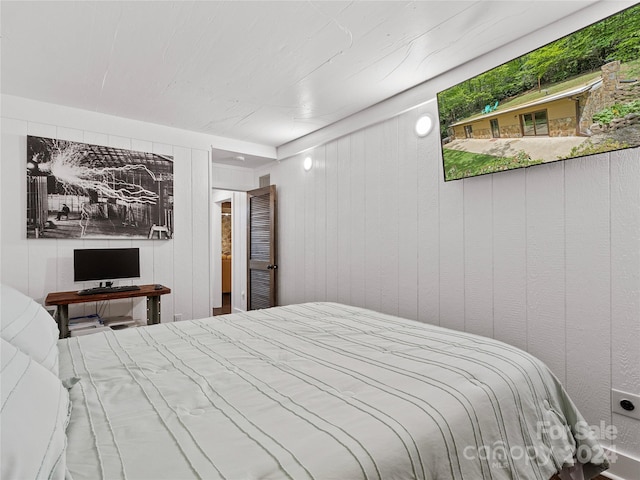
545	258
40	266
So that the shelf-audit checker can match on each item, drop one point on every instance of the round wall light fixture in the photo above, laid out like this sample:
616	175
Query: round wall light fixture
424	125
307	164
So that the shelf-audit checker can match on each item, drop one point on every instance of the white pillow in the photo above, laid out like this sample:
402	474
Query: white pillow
27	325
34	418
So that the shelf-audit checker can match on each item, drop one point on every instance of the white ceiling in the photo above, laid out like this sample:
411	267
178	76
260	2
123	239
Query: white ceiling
266	72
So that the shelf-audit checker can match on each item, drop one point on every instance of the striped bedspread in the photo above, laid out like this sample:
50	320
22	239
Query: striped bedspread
314	391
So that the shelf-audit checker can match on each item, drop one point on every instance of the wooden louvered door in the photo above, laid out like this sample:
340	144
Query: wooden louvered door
261	248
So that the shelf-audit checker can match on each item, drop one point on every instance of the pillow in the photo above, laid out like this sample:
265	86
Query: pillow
34	417
28	326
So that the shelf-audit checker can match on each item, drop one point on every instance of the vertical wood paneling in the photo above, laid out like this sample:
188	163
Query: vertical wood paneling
14	254
285	186
588	284
72	134
388	255
309	226
478	255
625	284
201	241
332	206
546	266
165	253
451	230
344	212
40	266
65	248
372	219
96	138
43	265
429	173
119	142
320	186
125	306
407	211
183	238
301	181
239	248
356	218
564	286
510	258
146	256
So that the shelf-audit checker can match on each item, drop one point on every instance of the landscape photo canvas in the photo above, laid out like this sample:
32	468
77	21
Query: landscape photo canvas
83	191
576	96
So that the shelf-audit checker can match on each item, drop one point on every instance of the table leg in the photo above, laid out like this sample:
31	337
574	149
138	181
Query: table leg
62	317
153	310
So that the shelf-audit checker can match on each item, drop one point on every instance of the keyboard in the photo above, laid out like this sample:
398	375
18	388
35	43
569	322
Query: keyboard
96	290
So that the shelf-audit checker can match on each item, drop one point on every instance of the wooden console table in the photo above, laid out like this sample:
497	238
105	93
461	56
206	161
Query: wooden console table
62	300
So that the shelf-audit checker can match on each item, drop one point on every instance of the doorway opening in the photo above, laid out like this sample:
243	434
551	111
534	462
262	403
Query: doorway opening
226	243
228	251
222	250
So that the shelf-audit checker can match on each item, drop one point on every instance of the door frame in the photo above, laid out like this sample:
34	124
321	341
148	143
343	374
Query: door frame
495	128
533	118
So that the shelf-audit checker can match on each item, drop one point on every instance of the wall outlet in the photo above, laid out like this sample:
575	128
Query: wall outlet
625	403
177	317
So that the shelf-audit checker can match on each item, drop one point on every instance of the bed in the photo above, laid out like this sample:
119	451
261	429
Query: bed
309	391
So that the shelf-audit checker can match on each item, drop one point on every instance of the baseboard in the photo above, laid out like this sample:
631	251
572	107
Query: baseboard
623	467
238	310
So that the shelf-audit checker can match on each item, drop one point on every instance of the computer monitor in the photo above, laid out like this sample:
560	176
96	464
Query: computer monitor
105	264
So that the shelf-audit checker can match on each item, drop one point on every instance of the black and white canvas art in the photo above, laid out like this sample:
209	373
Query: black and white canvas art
77	190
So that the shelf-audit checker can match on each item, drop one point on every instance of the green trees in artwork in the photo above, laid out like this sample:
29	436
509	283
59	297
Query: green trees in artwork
540	61
614	38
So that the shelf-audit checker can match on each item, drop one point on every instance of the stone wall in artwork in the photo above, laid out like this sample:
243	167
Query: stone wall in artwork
600	96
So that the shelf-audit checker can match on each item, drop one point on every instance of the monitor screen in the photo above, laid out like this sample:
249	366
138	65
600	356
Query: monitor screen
105	264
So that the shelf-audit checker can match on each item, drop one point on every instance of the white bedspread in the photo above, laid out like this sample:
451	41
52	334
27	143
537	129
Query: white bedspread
316	390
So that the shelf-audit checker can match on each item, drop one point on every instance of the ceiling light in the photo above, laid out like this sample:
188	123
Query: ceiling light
307	164
424	125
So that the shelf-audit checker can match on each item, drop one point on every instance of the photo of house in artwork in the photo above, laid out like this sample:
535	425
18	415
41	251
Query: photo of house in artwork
78	190
555	125
567	113
573	97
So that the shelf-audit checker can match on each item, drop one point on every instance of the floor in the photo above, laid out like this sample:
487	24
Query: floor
226	305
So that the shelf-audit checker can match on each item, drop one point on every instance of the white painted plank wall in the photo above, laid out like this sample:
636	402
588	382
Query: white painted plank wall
200	235
331	225
40	266
239	248
588	284
625	286
343	218
429	215
510	258
545	258
545	263
407	225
